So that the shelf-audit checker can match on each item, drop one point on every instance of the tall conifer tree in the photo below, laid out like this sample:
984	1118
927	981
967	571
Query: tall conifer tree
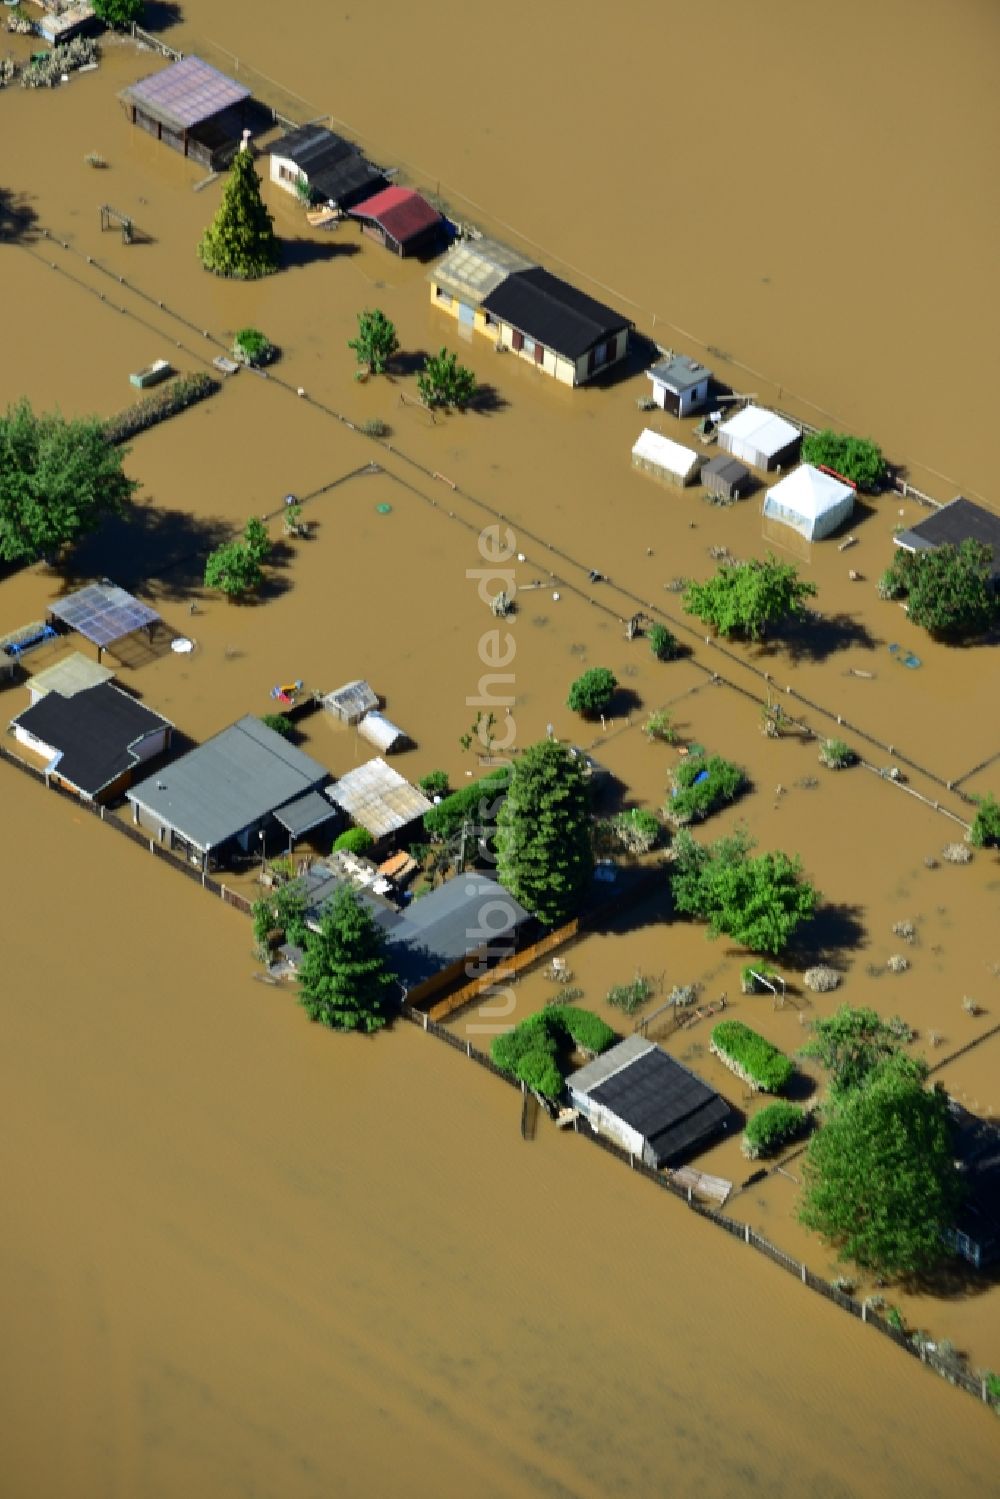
240	240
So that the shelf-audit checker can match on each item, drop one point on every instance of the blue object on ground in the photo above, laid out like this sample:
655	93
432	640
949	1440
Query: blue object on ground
701	776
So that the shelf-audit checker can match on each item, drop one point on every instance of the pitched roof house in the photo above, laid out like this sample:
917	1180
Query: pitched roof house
335	170
960	520
648	1103
561	330
93	740
191	107
400	219
468	273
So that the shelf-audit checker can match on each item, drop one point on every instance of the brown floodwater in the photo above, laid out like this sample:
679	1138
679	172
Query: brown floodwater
245	1257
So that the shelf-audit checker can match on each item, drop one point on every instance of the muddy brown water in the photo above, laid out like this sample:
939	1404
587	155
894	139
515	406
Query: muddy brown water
229	1226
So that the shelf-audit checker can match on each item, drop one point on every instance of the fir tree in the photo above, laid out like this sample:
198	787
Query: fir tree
343	981
240	240
544	852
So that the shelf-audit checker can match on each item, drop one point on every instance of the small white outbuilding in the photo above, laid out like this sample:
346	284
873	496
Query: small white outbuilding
811	502
760	438
381	732
665	459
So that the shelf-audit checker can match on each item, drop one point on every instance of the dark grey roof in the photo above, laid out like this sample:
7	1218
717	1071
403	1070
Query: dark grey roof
91	731
959	521
671	1108
335	168
729	470
103	613
313	147
449	923
305	813
553	313
977	1151
186	93
228	783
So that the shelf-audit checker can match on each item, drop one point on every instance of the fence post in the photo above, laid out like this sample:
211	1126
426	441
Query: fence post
864	1311
222	891
803	1272
425	1020
151	848
468	1049
746	1233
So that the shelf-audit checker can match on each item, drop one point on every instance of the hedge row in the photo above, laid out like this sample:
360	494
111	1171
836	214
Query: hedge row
771	1128
175	397
752	1058
479	803
693	799
531	1051
587	1030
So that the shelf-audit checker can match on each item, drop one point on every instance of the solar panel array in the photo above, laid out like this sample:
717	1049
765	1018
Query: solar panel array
103	613
188	92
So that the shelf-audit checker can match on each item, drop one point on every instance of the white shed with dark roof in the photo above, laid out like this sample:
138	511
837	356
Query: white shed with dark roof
680	384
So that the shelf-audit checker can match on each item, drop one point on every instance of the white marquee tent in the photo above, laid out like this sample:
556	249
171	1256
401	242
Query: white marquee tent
813	503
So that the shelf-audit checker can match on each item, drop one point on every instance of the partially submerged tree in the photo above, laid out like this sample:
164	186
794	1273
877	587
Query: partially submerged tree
445	382
544	852
240	240
234	568
758	901
856	459
119	14
985	830
745	597
880	1176
948	589
343	981
592	692
58	480
376	342
852	1044
251	346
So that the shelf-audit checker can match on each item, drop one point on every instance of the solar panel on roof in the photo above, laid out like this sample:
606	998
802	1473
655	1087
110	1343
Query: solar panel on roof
103	613
188	92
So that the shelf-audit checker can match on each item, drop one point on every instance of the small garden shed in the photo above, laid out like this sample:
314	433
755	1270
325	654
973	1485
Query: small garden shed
351	702
664	459
760	438
400	219
726	478
680	384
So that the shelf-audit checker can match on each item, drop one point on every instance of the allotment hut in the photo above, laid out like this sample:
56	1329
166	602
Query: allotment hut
383	733
92	742
378	798
334	170
760	438
351	702
680	384
647	1103
400	219
191	107
958	521
471	270
726	478
664	459
555	327
810	501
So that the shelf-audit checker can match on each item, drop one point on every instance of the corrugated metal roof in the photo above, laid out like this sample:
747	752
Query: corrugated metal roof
475	267
653	447
378	798
228	783
352	701
402	213
186	93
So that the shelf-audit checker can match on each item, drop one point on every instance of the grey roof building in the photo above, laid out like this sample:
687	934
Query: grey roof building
648	1103
726	477
960	520
334	169
230	788
680	384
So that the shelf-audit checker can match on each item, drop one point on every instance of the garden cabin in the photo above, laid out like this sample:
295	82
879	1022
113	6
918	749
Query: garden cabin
760	438
812	501
680	384
647	1103
664	459
726	477
233	794
467	274
451	933
960	520
550	324
401	220
378	798
351	702
334	170
191	107
92	741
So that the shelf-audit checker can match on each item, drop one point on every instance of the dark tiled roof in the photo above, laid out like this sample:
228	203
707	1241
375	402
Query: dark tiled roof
959	521
335	169
186	93
668	1105
452	922
402	213
92	731
553	313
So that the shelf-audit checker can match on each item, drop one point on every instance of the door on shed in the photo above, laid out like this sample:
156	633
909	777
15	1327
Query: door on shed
466	314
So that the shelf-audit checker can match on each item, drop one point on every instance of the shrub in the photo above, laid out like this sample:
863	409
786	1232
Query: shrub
531	1052
376	342
445	382
659	726
175	397
835	754
592	692
701	785
478	803
587	1030
985	828
375	427
119	14
956	853
279	723
252	347
856	459
48	71
947	589
752	1058
434	783
354	841
770	1128
992	1383
662	644
821	980
636	830
630	997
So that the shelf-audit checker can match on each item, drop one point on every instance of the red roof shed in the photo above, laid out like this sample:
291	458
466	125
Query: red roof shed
400	217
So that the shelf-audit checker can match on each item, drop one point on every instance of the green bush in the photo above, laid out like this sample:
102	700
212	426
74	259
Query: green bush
693	799
592	692
252	347
354	841
772	1127
759	1063
662	644
985	829
279	723
434	783
659	725
588	1031
533	1050
478	803
856	459
992	1386
175	397
630	997
637	830
835	754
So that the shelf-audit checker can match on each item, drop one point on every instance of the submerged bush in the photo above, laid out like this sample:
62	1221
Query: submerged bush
772	1127
701	785
835	754
630	997
354	841
752	1058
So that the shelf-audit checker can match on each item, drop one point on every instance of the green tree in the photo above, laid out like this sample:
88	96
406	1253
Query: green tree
745	597
851	1044
947	589
758	901
279	723
281	909
58	479
544	852
353	841
880	1180
231	569
256	539
445	382
985	829
119	14
434	783
856	459
662	644
376	341
343	980
240	240
592	692
253	347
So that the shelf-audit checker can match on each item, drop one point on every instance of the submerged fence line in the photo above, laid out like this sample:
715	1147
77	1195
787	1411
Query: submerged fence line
863	1310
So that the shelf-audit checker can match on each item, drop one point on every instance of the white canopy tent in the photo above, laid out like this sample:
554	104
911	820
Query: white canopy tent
665	459
758	437
812	502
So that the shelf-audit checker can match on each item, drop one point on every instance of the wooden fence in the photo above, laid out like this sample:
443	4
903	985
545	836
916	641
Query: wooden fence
505	969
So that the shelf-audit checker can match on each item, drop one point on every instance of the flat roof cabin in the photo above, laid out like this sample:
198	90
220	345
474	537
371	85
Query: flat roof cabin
191	107
680	384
